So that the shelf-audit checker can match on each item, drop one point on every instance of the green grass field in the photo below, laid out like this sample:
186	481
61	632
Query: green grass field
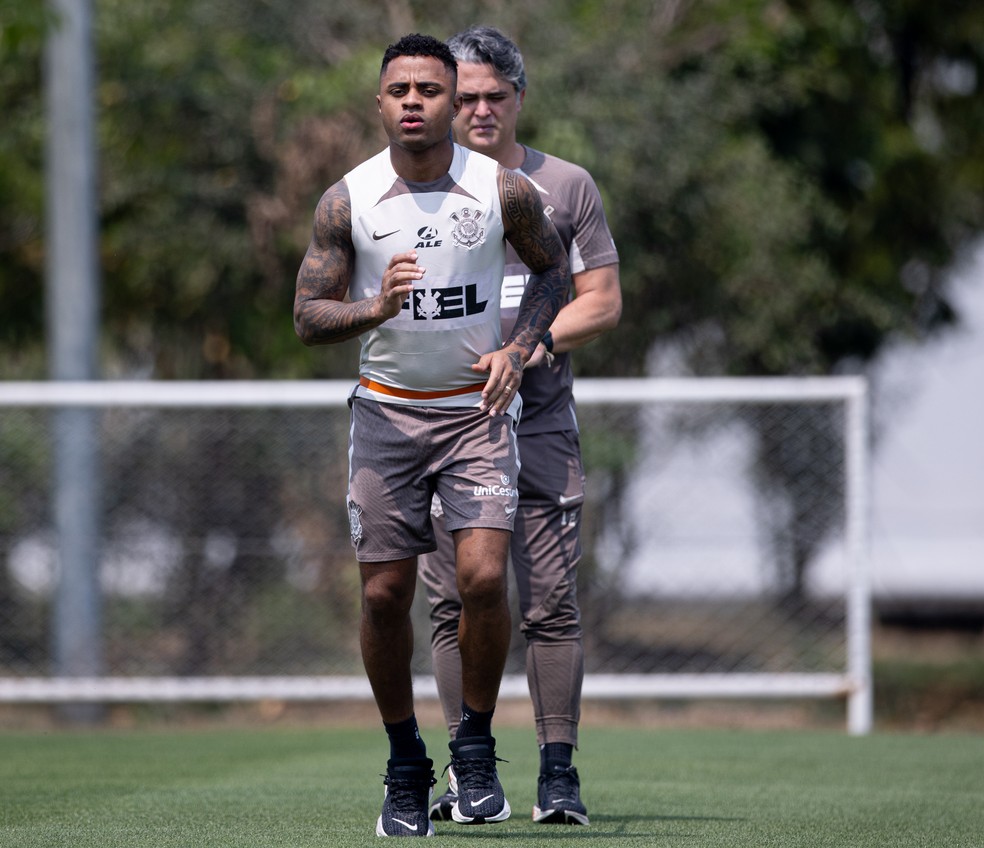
322	787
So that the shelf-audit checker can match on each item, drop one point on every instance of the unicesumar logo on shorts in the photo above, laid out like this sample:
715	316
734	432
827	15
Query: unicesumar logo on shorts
497	491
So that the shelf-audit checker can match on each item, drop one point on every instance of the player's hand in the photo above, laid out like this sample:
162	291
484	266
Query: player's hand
397	284
505	370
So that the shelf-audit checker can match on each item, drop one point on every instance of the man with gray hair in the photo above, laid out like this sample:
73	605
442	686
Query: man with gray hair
545	547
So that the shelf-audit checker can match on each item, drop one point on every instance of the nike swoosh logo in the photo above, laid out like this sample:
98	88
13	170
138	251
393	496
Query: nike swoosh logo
376	237
407	825
562	500
509	510
481	800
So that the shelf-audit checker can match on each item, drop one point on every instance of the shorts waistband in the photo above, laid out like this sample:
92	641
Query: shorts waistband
411	394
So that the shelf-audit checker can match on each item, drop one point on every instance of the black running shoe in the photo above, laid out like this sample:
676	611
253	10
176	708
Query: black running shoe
440	809
559	798
474	779
405	805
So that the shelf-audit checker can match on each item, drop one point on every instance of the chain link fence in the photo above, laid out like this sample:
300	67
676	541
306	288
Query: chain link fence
716	535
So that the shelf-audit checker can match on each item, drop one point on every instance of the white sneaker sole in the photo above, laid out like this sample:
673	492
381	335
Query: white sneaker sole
549	816
459	817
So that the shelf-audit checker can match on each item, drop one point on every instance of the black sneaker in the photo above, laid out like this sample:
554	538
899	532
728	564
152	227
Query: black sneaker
559	798
475	781
405	805
440	809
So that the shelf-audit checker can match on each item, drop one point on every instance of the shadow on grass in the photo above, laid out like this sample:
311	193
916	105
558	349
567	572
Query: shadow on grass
601	827
658	818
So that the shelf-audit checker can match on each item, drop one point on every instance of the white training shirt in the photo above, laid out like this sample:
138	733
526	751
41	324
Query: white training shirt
423	356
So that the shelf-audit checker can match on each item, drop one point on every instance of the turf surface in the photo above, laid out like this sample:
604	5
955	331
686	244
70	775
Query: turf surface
304	787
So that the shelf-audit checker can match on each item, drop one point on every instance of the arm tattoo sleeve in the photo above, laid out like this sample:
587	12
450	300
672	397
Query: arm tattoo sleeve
538	245
320	314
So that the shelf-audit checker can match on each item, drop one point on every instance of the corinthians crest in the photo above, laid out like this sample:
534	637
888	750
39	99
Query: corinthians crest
468	231
355	522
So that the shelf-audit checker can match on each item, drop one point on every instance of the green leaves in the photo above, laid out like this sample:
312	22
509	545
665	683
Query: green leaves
769	169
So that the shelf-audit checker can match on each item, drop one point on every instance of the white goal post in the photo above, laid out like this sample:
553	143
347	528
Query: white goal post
852	683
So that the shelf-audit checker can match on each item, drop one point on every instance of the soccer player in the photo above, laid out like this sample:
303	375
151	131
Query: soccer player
545	546
407	253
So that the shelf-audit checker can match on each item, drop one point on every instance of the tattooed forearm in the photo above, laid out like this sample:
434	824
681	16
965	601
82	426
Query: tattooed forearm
543	298
539	246
320	314
329	322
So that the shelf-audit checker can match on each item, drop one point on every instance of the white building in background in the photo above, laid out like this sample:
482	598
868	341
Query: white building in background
926	514
927	521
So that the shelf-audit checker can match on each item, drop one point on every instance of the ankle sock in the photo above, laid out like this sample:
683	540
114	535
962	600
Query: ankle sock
405	741
555	756
474	723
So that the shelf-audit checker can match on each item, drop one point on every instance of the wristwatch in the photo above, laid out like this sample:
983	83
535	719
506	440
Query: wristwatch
547	342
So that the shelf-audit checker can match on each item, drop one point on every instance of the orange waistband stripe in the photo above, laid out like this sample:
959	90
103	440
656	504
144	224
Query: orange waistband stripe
410	394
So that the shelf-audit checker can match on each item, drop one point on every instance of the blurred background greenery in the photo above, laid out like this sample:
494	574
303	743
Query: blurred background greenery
788	182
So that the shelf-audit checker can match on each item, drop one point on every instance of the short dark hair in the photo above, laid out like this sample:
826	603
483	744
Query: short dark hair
420	45
486	45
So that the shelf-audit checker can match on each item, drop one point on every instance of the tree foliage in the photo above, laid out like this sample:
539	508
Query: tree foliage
782	177
788	181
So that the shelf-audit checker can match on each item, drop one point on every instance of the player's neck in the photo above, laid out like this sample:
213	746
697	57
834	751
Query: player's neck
422	166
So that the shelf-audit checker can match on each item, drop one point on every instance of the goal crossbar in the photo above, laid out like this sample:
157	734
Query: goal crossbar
326	393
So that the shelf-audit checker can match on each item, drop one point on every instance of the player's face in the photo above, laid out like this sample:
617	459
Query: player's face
489	110
417	101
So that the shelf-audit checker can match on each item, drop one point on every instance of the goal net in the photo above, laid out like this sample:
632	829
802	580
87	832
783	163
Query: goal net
724	543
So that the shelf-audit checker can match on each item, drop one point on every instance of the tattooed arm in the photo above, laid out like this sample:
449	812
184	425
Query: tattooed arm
538	245
321	314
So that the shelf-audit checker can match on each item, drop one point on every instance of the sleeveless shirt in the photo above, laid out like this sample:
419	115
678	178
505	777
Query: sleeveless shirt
423	356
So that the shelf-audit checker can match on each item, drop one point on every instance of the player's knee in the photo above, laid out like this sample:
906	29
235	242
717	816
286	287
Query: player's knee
555	618
552	630
482	587
552	623
386	597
